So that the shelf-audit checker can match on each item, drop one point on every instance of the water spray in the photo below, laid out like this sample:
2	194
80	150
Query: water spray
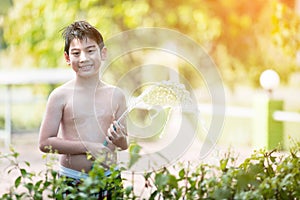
164	93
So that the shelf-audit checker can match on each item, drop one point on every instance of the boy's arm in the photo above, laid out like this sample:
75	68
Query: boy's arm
49	130
117	132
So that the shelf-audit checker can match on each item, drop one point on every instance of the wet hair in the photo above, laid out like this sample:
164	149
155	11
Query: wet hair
81	30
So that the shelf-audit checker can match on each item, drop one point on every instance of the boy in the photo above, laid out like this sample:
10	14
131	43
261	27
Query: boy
83	109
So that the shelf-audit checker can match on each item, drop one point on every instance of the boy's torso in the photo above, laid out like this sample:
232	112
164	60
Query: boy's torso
87	114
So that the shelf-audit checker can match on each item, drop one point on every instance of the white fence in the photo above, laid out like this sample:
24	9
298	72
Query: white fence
54	76
8	79
286	116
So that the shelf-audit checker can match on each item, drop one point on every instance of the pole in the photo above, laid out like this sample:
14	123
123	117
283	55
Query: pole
267	133
8	103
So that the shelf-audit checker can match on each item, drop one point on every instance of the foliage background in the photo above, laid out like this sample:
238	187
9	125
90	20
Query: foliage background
244	37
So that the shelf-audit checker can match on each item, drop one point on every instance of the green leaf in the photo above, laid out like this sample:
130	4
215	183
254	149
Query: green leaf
147	175
134	150
37	184
172	181
153	195
161	180
27	163
29	186
15	154
128	190
18	181
223	164
182	173
23	172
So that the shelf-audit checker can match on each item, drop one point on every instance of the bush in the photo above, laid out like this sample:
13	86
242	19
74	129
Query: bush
263	175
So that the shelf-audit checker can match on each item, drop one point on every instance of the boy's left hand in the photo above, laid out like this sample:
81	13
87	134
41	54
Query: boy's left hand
116	134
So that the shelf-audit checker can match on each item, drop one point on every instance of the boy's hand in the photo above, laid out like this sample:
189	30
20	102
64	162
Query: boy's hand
116	134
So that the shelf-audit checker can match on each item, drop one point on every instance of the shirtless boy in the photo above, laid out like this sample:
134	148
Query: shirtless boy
85	109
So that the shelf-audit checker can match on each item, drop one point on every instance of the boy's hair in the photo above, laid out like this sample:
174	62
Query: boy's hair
81	30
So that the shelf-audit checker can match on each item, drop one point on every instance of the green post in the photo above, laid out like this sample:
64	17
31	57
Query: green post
267	132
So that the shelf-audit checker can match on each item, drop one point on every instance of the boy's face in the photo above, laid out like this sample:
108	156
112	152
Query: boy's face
85	56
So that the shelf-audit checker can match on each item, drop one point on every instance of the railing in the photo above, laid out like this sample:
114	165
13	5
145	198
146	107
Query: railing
285	116
267	118
54	76
244	112
8	79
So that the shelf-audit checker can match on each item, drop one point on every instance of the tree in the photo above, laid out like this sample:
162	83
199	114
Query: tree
37	23
249	40
244	37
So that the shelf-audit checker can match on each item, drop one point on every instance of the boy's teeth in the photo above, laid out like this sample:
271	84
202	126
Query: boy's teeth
85	67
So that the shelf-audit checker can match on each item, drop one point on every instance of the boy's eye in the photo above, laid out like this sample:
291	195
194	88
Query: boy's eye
75	53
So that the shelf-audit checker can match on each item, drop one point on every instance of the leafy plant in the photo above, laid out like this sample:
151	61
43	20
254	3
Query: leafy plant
263	175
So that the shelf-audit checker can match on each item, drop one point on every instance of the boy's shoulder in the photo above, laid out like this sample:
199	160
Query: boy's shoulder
113	88
63	89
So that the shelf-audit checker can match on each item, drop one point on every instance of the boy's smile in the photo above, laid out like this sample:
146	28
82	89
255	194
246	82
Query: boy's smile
85	68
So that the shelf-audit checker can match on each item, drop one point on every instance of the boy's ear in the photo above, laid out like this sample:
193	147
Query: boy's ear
103	53
67	58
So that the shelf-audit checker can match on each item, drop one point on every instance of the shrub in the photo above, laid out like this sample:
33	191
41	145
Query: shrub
263	175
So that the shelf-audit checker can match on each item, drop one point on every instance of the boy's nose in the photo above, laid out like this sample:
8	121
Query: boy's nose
83	57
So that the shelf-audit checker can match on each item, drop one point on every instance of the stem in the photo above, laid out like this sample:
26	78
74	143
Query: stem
186	180
132	177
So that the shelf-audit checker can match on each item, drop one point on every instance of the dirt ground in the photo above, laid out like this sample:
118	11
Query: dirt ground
27	146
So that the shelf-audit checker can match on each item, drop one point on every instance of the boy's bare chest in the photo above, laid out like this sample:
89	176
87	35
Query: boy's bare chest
85	105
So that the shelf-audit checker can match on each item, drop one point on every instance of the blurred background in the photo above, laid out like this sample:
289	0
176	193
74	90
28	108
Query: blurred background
244	38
